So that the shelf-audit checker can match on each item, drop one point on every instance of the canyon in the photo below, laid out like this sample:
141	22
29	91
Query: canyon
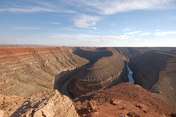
29	73
87	82
155	71
25	71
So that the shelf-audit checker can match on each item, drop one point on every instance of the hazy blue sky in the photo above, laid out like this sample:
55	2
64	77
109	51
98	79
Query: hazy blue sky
88	22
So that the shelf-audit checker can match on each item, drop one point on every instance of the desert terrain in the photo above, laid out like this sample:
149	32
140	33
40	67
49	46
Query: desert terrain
87	82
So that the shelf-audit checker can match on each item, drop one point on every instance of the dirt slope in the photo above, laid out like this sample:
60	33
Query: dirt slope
123	100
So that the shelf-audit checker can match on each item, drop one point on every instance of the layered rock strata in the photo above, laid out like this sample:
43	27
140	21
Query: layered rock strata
25	71
100	73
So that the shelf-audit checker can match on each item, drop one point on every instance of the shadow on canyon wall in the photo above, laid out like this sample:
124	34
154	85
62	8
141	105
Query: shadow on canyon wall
155	71
146	68
93	55
63	80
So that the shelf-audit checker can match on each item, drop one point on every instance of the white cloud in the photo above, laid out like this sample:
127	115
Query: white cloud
89	40
26	10
89	7
129	5
164	33
86	21
65	40
56	23
35	6
136	40
133	32
105	7
85	36
156	33
110	7
26	28
34	9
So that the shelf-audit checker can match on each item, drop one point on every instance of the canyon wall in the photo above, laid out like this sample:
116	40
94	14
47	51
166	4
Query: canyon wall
100	73
27	80
25	71
155	70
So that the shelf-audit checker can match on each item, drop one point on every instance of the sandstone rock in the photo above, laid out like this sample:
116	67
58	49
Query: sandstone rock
26	71
122	115
93	106
1	113
57	105
142	107
9	104
115	101
132	114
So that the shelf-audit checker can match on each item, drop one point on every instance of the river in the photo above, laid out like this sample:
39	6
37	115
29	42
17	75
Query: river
130	75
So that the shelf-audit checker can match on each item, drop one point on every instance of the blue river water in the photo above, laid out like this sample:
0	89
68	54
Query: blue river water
130	75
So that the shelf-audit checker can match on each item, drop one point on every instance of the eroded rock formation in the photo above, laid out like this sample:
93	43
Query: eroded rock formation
101	72
24	71
53	105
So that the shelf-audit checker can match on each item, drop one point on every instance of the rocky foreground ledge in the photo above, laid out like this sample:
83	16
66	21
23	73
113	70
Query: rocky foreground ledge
51	105
123	100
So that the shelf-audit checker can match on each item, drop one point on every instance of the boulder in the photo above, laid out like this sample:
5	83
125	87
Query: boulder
56	105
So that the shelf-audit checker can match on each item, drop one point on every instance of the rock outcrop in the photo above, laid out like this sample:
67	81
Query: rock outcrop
25	71
54	105
123	100
9	104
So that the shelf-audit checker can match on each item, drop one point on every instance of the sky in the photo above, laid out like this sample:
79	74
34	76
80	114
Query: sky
109	23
